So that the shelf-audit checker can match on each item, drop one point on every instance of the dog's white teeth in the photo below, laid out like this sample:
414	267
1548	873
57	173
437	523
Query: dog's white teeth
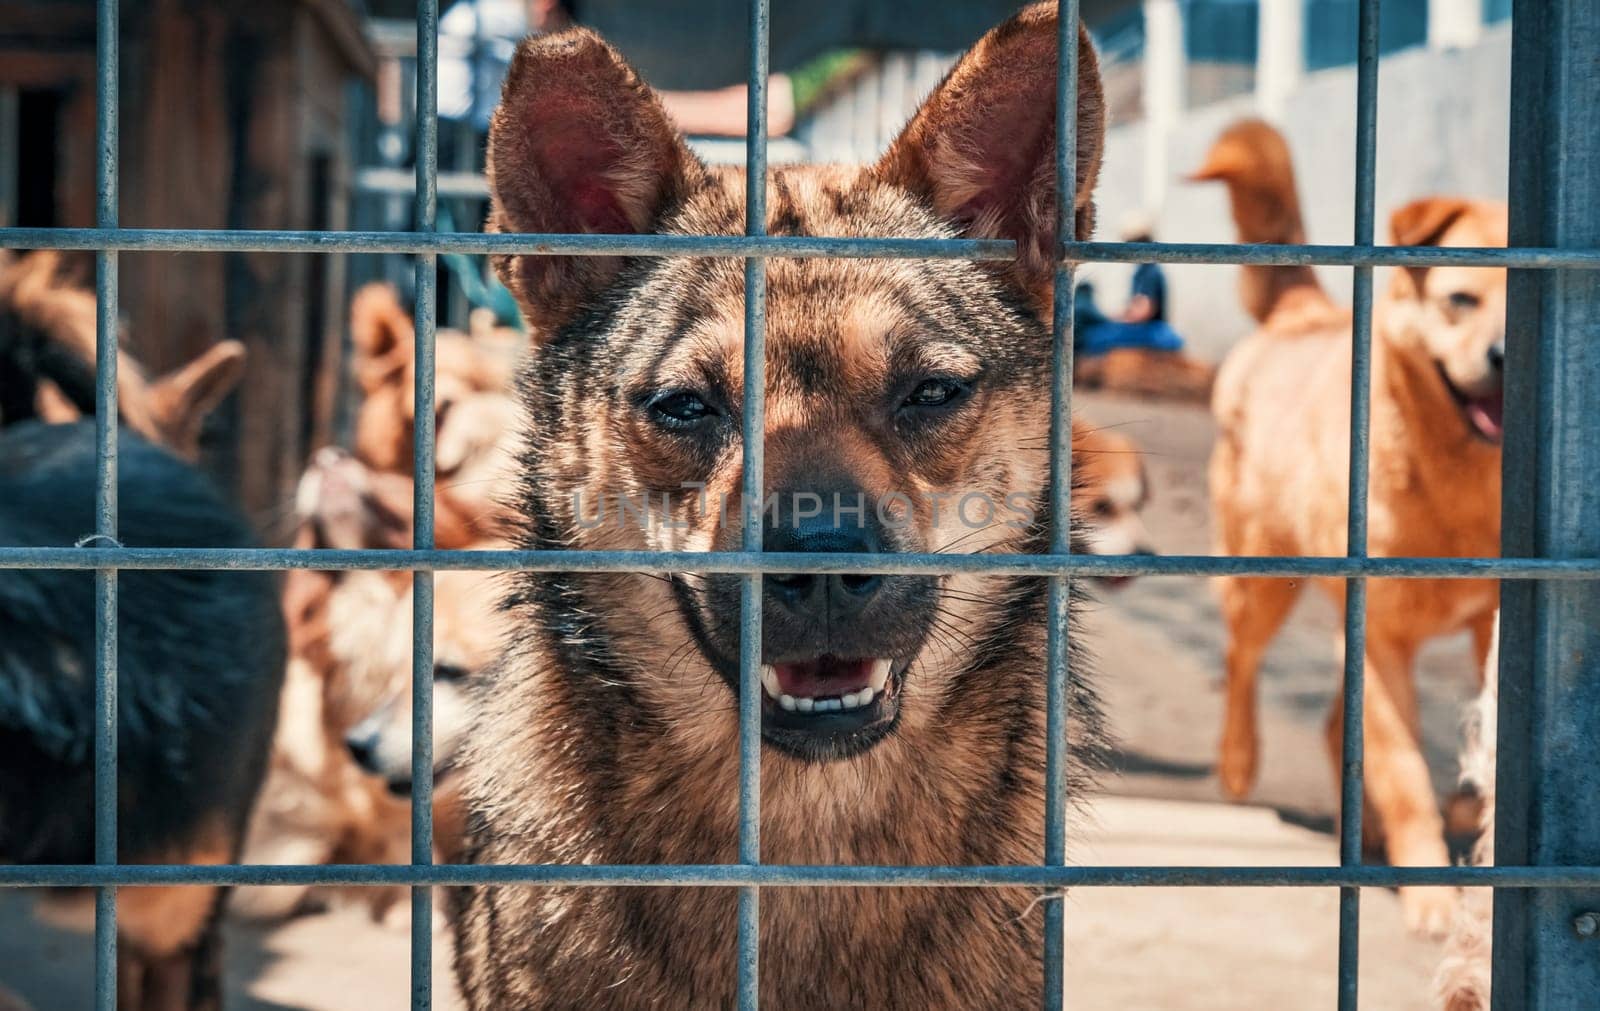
880	674
810	704
769	680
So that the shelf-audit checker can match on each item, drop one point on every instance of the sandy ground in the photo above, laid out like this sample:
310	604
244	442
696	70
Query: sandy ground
1158	647
1177	949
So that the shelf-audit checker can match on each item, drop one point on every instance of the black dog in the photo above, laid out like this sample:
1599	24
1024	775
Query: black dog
200	662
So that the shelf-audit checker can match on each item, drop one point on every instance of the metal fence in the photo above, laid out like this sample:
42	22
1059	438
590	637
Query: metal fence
1549	786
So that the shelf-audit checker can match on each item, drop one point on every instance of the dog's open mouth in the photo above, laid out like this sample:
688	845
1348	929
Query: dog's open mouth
1484	412
830	706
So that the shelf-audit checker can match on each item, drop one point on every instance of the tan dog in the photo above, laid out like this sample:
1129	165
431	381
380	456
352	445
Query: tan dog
328	798
47	355
1280	469
1110	489
476	416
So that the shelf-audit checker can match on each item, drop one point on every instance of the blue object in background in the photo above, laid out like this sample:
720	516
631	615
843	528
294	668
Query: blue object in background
1151	335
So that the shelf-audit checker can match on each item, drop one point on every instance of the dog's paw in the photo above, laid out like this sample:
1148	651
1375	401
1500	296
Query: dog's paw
1237	767
1430	910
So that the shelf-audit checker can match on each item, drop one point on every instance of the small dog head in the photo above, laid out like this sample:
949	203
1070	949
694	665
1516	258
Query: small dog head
907	401
353	628
1110	490
1454	315
467	633
473	407
47	361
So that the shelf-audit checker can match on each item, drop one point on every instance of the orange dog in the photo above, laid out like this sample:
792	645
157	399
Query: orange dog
476	416
1279	473
1109	490
326	798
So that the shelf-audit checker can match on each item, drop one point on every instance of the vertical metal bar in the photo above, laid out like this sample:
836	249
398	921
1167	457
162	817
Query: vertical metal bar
422	462
1548	781
107	67
1060	587
755	426
1355	602
752	496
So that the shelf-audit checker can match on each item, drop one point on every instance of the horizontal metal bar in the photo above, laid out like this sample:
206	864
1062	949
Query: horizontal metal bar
806	247
751	562
780	875
1526	257
264	241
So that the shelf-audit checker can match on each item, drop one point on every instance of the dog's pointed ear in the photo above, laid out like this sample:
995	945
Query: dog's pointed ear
382	334
1423	222
180	400
578	144
981	150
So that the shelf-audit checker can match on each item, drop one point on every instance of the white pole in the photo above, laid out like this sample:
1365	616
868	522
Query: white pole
1454	23
1280	55
1163	92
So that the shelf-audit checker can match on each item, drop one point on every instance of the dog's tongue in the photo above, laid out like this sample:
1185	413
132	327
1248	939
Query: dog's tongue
823	676
1485	414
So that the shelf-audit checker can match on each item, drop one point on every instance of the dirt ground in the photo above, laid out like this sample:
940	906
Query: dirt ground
1174	949
1158	649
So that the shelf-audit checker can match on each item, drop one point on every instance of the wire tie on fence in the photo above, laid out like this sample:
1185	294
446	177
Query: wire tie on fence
88	540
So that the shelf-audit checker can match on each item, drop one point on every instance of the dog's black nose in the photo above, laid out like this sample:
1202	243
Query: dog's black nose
1497	356
363	747
839	595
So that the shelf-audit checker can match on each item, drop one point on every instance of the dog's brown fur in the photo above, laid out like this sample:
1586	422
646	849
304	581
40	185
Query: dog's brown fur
1280	468
350	655
350	651
1110	488
608	735
47	347
475	434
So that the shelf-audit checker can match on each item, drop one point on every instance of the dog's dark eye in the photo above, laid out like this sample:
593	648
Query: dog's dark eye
678	409
1463	300
939	392
1102	507
448	672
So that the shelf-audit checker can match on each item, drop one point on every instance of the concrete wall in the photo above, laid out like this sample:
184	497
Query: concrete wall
1442	126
